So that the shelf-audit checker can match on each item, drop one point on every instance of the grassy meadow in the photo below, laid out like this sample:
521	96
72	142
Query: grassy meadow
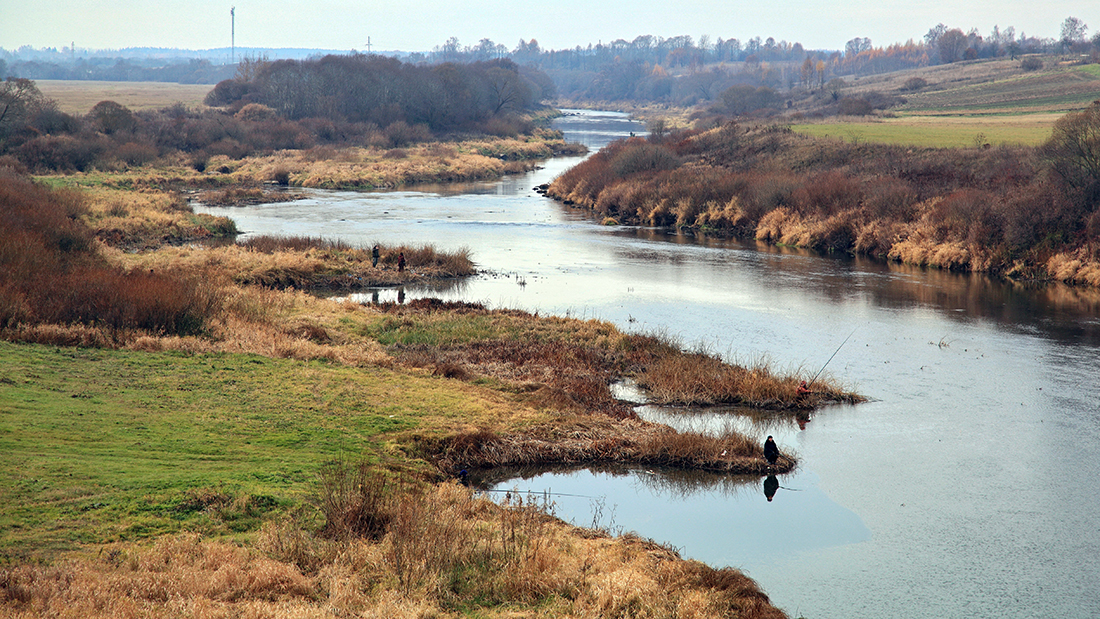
102	446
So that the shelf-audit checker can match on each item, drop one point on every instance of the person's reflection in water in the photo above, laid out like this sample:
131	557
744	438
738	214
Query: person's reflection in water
374	297
771	485
400	296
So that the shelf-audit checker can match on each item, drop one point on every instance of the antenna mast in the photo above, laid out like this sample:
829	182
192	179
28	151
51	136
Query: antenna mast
233	35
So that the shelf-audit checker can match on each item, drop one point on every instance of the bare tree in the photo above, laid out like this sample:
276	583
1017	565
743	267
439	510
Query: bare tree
19	99
1073	31
1074	147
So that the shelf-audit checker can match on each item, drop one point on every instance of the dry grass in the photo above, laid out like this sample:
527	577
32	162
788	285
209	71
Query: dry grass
79	96
568	364
370	168
307	264
702	379
235	180
443	553
149	218
1079	267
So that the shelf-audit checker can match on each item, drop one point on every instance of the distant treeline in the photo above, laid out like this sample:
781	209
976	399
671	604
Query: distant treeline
286	104
678	69
179	70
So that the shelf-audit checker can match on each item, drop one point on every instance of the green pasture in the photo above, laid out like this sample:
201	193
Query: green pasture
98	445
936	133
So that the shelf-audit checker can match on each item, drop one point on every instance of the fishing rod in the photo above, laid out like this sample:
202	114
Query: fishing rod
536	492
833	355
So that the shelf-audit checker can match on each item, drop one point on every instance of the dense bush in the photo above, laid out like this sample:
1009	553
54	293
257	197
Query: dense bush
1031	63
638	155
383	91
915	83
61	152
52	274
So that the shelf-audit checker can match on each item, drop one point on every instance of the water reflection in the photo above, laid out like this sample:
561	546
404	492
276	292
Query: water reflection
771	486
719	519
1061	312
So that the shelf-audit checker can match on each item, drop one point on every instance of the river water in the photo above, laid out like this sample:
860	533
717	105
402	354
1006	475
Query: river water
966	487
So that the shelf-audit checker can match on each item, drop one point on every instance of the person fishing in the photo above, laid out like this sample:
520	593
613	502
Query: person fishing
374	256
803	390
771	450
401	261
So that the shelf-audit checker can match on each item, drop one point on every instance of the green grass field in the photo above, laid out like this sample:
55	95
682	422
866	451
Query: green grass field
939	132
99	445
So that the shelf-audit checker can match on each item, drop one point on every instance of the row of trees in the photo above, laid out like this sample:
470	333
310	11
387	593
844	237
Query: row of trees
381	90
686	71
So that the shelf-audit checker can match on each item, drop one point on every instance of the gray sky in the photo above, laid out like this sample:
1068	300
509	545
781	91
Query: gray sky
419	25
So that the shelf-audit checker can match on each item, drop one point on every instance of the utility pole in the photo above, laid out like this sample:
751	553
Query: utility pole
368	46
233	35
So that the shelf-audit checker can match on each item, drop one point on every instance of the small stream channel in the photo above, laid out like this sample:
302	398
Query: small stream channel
967	487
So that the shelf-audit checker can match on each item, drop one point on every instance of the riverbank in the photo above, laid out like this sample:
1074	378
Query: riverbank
1005	211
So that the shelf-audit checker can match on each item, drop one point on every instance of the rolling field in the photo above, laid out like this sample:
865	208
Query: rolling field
968	105
78	97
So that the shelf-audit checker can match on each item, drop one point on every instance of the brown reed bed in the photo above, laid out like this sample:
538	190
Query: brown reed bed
699	379
243	195
306	263
146	219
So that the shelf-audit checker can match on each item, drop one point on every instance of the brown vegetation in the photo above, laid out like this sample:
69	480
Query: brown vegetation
597	440
147	219
53	274
437	552
304	263
556	363
1003	210
688	378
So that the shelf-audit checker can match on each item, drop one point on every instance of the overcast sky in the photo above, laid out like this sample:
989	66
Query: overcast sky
420	25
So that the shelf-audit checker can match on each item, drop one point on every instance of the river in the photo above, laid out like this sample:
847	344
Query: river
967	486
